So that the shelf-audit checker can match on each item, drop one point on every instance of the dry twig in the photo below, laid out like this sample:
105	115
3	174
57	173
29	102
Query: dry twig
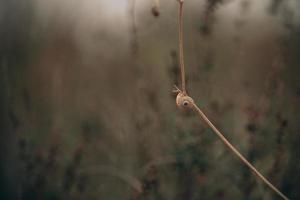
184	102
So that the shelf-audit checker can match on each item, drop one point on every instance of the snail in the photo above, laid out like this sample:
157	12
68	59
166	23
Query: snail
183	101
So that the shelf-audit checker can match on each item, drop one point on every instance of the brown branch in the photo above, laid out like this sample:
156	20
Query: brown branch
184	102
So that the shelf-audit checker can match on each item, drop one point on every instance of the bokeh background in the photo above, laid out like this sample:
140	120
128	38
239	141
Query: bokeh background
87	110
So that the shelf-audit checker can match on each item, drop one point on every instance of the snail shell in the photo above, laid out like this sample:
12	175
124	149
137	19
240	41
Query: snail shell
184	102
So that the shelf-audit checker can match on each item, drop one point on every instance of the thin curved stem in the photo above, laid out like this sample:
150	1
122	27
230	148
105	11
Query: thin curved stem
109	170
236	152
181	58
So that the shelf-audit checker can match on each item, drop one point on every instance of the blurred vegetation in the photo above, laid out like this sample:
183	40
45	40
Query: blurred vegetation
87	110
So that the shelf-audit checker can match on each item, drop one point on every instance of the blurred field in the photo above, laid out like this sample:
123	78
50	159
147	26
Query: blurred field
87	110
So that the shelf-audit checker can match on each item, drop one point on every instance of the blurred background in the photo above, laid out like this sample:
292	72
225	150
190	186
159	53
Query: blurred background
87	110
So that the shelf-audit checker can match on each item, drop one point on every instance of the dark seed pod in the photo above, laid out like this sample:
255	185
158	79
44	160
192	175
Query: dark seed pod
155	11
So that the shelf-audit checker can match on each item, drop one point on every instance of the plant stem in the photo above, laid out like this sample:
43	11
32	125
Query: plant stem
181	58
236	152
